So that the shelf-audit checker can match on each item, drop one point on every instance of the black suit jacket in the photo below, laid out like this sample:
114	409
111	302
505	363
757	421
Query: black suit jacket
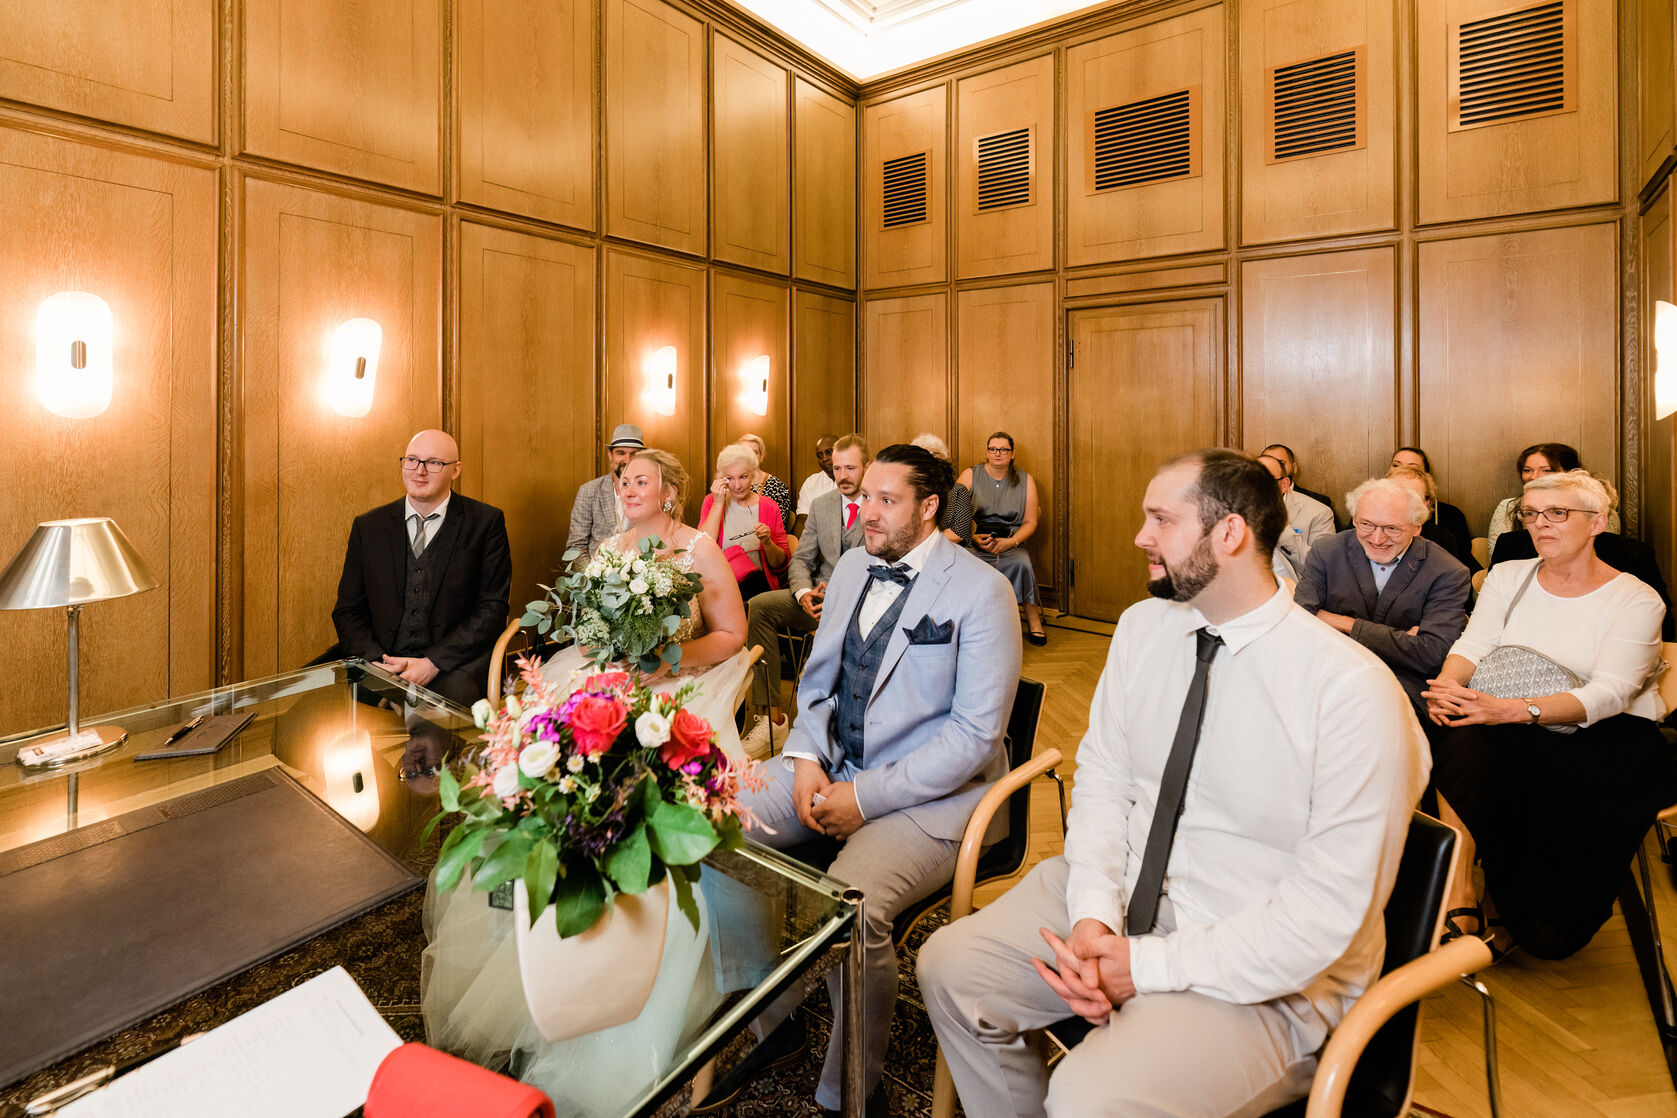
469	595
1622	553
1427	589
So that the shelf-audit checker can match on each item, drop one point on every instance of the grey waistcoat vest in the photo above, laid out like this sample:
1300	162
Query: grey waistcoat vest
859	667
413	635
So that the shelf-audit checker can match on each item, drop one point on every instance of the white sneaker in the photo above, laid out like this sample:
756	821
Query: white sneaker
757	742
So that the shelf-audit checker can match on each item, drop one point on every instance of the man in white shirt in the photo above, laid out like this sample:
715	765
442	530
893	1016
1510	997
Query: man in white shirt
818	484
1308	520
1217	948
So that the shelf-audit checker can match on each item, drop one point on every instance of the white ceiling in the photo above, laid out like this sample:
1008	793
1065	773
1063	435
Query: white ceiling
866	38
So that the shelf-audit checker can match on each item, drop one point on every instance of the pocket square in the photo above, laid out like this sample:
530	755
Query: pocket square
927	631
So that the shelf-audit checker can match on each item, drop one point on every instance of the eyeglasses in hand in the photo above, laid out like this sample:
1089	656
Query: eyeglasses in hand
430	465
1556	515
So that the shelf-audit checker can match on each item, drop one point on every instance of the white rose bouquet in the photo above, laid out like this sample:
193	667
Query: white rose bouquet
623	606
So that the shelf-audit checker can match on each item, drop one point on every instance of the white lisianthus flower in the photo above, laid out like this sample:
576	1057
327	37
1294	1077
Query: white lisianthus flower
638	586
574	763
505	783
537	759
482	712
652	729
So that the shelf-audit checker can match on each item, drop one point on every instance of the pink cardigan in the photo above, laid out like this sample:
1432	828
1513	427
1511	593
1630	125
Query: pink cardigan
767	513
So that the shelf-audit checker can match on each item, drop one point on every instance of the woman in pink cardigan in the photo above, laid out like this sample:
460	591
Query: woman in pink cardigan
748	527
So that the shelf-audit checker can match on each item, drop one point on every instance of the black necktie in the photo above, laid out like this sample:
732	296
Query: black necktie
879	572
1144	902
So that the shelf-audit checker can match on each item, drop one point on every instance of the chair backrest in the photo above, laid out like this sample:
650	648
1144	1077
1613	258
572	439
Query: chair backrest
1021	744
1479	580
1481	548
1668	680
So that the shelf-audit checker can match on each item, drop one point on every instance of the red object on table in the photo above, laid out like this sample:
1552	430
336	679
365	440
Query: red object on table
417	1081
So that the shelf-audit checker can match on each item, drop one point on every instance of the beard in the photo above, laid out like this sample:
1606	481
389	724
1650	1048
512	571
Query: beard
897	544
1191	576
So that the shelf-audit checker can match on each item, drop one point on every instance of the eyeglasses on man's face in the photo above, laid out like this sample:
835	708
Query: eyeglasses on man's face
1556	515
429	465
1370	528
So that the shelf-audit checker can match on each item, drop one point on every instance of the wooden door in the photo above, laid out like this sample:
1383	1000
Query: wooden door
1143	387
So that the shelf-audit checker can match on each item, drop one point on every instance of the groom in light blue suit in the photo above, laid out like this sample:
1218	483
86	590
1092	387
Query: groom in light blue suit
901	713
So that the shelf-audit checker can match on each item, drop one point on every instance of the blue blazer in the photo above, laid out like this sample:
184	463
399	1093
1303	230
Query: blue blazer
1427	589
938	712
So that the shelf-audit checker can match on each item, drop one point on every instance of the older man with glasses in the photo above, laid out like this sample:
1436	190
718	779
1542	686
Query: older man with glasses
1402	597
424	587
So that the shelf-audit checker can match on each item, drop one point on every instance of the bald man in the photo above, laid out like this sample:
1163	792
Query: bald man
425	582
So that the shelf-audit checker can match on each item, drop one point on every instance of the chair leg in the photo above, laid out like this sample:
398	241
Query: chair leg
1060	786
943	1090
1493	1082
1668	1012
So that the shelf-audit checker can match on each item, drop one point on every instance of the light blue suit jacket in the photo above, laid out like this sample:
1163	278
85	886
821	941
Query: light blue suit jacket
938	712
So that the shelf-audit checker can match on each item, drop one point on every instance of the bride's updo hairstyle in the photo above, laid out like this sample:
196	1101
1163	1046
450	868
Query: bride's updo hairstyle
671	473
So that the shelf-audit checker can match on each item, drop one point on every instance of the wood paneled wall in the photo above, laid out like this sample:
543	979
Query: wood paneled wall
604	177
1407	278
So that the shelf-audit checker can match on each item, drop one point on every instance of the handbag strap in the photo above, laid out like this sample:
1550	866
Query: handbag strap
1520	593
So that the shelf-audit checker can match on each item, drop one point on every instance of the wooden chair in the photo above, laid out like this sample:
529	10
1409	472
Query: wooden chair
1481	548
1665	824
1479	580
1368	1067
498	661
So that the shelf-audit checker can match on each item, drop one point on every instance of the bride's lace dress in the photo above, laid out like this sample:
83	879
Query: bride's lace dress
471	993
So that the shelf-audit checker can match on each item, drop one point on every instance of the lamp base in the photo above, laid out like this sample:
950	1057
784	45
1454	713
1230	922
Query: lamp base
67	749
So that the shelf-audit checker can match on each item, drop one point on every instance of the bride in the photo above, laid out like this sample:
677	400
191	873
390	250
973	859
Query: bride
471	993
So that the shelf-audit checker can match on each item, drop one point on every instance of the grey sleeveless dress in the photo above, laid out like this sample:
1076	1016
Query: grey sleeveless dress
998	508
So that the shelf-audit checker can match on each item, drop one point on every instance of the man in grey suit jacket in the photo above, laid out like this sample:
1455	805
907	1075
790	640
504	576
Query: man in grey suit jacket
834	527
595	517
1308	520
901	714
1402	597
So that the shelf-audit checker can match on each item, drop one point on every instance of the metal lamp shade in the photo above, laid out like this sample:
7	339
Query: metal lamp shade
71	563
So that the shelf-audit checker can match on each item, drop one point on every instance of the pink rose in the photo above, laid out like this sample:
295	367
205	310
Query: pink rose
605	681
689	740
596	722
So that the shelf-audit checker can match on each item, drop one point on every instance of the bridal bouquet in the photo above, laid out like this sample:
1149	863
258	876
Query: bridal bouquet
583	796
623	606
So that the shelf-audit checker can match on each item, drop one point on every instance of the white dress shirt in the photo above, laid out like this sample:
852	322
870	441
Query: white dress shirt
1309	763
814	485
882	592
428	526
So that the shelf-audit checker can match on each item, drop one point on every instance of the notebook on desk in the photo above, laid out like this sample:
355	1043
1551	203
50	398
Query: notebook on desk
209	736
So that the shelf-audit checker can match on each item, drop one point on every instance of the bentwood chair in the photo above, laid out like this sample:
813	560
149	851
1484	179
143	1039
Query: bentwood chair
1481	549
1367	1069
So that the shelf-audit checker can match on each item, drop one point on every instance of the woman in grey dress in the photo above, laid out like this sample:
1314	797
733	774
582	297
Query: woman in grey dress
1004	515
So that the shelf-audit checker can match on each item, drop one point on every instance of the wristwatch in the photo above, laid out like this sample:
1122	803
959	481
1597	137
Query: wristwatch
1532	709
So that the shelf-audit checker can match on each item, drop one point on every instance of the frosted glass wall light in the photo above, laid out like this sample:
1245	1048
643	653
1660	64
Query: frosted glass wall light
1665	359
73	354
353	368
660	380
757	384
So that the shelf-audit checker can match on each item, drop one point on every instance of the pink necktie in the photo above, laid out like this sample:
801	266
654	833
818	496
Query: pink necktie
850	521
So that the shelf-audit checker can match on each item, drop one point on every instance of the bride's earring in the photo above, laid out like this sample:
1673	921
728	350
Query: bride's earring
669	506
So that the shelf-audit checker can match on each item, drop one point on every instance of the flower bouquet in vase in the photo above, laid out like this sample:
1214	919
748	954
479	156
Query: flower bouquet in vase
598	805
621	607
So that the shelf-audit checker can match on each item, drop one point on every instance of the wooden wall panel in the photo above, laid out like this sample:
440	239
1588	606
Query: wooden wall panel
1656	91
751	207
312	261
1018	238
524	79
655	125
824	187
823	374
905	381
526	384
1153	219
1163	362
351	88
1004	381
1659	281
651	303
748	318
1347	191
1318	339
1540	163
1517	344
141	234
890	129
146	63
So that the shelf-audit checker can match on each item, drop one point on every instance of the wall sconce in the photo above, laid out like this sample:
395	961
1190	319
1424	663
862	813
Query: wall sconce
660	380
353	367
73	354
757	384
1665	358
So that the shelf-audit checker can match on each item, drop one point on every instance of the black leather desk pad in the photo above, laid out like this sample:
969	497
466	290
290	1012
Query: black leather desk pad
105	926
210	736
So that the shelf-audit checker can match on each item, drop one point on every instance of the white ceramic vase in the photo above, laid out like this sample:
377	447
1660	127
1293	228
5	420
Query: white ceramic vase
599	978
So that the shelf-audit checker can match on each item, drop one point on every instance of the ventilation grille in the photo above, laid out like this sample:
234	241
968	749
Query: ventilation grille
905	190
1145	141
1512	66
1004	169
1316	106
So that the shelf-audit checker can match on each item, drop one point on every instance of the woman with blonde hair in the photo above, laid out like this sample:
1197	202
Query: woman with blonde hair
766	484
746	526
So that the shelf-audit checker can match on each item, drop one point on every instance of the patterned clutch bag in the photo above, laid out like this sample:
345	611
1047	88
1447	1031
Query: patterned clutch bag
1513	671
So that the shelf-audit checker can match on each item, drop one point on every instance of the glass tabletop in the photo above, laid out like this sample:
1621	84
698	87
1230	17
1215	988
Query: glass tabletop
367	744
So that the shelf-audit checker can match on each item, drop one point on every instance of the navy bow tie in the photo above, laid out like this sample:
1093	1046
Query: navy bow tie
879	572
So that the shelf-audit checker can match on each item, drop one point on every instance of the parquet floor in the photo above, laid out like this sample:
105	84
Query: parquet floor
1576	1037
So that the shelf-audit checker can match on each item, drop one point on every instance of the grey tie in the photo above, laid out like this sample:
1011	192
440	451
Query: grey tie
419	523
1144	904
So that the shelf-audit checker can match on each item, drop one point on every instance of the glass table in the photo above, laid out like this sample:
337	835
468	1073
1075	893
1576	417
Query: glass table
367	745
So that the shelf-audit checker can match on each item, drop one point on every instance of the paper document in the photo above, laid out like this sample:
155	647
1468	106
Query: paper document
309	1053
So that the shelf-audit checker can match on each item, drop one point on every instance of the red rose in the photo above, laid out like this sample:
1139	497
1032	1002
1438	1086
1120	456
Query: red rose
605	681
596	722
689	740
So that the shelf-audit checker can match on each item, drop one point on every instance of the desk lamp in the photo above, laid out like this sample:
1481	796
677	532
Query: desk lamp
70	563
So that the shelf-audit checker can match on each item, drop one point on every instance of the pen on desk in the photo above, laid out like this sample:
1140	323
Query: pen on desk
183	731
70	1092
